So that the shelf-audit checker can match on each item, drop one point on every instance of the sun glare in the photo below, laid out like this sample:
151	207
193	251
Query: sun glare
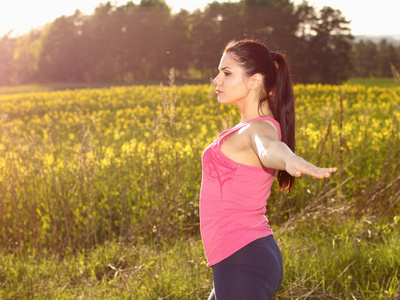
21	16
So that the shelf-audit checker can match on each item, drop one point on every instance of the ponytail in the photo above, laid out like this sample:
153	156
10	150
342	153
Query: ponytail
284	112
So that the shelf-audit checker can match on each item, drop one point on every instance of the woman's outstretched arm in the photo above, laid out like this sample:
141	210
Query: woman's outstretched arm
277	155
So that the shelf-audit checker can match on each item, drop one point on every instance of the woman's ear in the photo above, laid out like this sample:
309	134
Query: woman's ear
256	81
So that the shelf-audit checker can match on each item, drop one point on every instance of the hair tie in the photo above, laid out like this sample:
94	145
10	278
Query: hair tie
273	55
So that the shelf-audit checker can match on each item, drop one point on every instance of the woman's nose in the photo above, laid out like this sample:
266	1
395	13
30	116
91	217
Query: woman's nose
216	80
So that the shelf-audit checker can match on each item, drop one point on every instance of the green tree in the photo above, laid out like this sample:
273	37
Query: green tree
102	35
60	58
179	54
136	42
272	21
26	55
126	43
387	55
154	4
6	60
328	47
365	59
302	61
206	41
154	17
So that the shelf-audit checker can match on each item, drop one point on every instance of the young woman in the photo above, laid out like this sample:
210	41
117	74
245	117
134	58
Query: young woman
239	169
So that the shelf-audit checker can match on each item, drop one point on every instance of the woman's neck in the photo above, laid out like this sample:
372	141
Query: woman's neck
252	112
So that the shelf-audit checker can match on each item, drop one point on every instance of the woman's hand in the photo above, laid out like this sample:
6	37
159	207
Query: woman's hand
297	166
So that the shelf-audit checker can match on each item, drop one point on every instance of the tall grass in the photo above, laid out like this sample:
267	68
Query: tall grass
375	82
99	193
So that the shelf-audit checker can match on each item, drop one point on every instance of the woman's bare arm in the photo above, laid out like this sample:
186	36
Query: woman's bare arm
277	155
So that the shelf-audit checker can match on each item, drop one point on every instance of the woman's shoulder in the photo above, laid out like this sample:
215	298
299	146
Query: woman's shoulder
265	126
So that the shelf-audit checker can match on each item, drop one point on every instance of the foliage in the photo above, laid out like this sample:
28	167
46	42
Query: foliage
324	46
135	42
375	60
87	174
103	47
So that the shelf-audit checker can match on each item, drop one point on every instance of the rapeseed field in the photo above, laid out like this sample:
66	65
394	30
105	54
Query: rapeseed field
99	193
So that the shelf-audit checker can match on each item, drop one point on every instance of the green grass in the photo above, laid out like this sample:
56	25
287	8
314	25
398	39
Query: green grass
111	271
356	260
341	260
370	82
7	90
51	87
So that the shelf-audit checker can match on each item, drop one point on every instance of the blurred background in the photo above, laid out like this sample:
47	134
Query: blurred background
128	42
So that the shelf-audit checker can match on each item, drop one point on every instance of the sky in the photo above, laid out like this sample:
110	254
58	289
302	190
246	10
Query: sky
368	17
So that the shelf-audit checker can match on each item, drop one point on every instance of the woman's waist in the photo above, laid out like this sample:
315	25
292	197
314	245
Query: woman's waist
227	221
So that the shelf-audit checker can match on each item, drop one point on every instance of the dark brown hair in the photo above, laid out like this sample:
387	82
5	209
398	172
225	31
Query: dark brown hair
255	58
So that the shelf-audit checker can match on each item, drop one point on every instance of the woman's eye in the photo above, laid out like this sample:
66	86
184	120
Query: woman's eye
227	73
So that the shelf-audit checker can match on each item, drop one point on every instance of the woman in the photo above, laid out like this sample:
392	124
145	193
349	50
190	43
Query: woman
239	168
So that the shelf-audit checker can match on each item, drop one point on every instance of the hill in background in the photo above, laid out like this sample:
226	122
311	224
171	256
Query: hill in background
393	39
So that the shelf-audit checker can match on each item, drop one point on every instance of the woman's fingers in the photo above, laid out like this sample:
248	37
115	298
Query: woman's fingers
315	171
301	167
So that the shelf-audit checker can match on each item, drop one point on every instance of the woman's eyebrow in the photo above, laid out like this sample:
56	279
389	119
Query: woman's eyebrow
224	68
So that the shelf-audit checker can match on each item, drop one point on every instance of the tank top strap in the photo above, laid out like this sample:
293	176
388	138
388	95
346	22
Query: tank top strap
268	118
223	135
228	132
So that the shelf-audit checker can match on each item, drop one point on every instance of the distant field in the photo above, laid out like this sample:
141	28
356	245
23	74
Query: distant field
380	82
51	87
32	88
6	90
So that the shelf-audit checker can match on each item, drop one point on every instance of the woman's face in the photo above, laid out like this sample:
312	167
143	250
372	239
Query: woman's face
231	82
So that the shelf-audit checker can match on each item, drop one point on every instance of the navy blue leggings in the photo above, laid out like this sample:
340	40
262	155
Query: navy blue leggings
254	272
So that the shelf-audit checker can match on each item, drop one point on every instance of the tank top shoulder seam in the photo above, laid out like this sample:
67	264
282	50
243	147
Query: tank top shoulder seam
271	119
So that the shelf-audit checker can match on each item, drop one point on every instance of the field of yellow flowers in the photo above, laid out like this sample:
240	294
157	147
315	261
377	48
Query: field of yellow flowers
121	166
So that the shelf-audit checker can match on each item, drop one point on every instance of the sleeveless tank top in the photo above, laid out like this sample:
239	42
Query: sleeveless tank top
233	200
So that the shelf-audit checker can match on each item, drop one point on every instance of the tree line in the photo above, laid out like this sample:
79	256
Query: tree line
138	42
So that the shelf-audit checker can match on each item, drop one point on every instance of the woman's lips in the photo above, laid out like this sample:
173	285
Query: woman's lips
219	92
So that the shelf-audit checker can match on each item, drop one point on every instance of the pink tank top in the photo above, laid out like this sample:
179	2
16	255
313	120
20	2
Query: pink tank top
233	200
